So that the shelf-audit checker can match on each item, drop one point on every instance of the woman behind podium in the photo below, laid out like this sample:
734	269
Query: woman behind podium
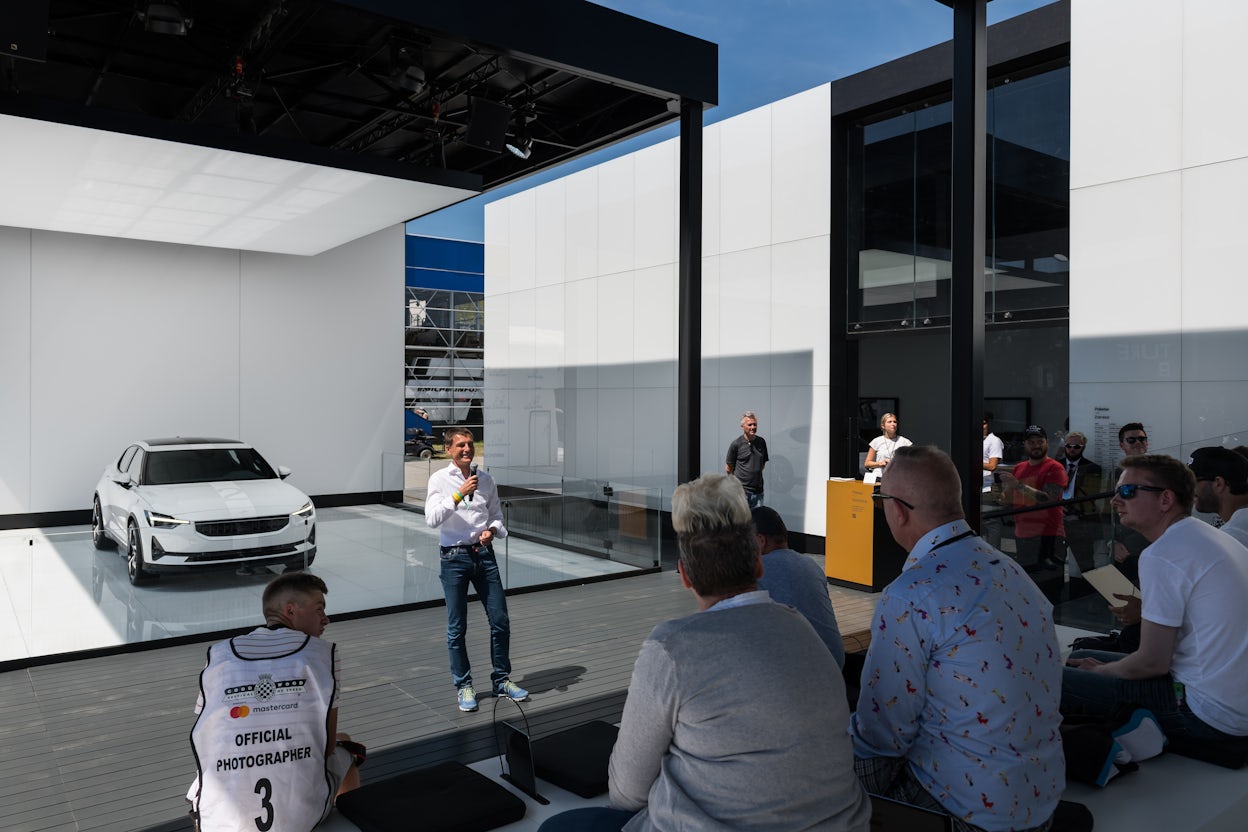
884	446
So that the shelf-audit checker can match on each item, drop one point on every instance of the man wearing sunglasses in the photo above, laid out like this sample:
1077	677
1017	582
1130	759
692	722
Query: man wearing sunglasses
958	710
1128	543
1191	668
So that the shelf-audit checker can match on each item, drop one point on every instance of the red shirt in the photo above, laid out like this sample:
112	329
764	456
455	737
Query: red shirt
1047	523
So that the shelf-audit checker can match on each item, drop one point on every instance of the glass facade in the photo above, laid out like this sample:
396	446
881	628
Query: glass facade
899	185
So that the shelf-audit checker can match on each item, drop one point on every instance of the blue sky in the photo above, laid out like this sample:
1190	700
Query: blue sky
768	49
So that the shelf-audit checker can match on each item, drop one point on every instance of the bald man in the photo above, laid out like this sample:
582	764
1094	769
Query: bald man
959	704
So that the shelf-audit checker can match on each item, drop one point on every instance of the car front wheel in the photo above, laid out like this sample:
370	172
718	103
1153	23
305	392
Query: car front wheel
134	556
99	537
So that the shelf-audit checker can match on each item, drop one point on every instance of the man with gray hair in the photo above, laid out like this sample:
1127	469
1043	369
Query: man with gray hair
959	705
702	744
747	456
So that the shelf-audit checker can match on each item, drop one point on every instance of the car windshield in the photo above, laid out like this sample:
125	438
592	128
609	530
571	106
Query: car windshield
205	465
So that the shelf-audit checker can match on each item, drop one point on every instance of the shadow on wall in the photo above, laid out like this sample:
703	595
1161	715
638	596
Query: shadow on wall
617	423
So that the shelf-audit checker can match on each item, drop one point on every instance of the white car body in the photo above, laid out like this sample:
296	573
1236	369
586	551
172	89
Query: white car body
194	503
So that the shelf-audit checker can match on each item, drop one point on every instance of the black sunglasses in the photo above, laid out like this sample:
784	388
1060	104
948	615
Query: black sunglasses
880	497
1073	447
1127	491
1131	440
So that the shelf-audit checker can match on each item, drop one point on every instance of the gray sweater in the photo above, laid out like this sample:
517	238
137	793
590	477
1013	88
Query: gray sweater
715	735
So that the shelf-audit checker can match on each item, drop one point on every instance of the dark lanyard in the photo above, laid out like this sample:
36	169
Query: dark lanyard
967	533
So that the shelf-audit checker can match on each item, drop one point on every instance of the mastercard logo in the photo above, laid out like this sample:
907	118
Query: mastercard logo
239	711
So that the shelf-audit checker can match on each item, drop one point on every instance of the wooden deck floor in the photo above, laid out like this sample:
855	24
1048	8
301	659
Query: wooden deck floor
101	744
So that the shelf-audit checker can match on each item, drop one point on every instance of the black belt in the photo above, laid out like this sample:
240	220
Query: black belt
465	548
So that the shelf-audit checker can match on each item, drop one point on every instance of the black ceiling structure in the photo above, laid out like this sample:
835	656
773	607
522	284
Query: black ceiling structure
428	92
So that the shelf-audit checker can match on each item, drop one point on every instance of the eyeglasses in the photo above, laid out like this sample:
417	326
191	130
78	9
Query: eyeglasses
1127	491
1073	447
880	497
1131	440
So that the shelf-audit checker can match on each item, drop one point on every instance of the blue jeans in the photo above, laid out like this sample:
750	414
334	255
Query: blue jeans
1085	692
592	819
475	565
754	498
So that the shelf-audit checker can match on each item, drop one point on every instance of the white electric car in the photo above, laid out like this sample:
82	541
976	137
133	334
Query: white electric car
192	503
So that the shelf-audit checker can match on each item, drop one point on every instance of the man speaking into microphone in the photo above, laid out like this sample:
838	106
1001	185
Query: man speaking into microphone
466	530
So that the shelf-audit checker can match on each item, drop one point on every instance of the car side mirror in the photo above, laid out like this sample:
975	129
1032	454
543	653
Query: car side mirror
125	480
283	472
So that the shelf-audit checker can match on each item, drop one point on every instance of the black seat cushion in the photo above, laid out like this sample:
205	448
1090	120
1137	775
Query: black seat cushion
449	796
1228	754
576	759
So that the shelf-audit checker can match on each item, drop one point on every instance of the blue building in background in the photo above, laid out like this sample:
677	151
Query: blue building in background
444	362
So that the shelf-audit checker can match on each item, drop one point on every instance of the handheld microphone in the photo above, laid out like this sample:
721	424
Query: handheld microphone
472	472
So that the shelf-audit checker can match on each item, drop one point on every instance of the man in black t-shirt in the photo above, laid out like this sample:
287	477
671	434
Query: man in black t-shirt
746	457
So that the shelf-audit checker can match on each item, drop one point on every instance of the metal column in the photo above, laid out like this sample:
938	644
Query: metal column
689	305
966	377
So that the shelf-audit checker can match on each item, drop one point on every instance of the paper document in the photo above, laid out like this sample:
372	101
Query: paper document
1108	580
871	477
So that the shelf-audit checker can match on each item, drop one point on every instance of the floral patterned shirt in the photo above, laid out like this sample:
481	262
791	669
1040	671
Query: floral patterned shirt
963	678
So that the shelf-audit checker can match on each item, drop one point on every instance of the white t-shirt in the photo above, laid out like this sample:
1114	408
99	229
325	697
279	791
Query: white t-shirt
1195	578
1237	526
885	448
993	447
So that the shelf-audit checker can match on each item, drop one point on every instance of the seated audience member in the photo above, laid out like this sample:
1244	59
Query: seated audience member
1127	542
703	744
1222	488
794	579
1191	668
265	740
959	704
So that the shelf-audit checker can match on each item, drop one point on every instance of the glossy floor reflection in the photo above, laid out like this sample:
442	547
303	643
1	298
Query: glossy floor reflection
58	594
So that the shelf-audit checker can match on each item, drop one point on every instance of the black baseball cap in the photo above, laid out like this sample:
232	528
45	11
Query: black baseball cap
1035	430
1215	461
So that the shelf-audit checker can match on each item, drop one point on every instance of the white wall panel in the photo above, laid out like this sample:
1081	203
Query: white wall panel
617	238
799	319
615	330
1215	208
581	330
497	248
550	229
1126	91
549	322
653	454
745	180
15	363
617	434
711	304
801	163
654	326
497	333
522	224
522	331
1215	413
320	339
744	325
1128	239
1215	64
581	236
654	209
712	190
130	340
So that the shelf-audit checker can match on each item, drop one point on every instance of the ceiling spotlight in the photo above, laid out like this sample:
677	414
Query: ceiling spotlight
521	144
405	67
168	18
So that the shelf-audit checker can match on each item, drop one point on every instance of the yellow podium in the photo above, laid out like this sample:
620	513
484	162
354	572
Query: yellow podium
860	551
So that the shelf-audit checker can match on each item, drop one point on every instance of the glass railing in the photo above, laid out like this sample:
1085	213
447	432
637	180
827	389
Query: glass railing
1093	539
613	520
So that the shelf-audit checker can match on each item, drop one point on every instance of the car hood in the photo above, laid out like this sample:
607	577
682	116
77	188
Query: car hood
216	500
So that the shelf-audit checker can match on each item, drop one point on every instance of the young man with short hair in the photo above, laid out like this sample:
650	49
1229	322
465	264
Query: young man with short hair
266	742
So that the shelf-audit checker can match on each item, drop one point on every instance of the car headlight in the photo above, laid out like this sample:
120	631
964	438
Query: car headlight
306	511
162	521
